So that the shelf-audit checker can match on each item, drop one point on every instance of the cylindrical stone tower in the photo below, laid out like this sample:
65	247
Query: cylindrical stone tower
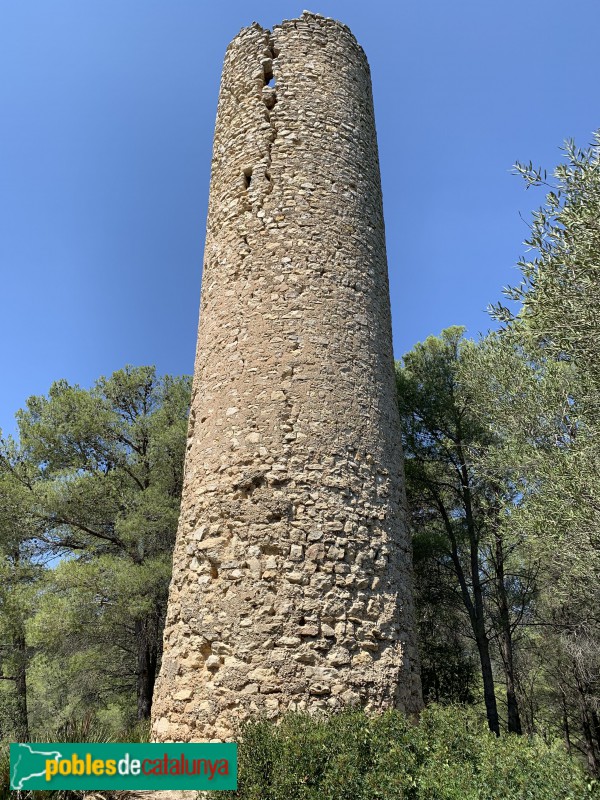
292	584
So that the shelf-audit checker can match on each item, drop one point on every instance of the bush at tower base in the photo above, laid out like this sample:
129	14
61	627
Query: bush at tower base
449	755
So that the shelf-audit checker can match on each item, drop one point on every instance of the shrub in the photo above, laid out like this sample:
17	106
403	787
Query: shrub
449	755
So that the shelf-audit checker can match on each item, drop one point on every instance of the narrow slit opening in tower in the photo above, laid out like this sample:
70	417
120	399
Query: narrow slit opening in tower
269	78
247	177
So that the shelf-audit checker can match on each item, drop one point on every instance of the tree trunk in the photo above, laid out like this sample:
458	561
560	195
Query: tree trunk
589	741
22	721
589	744
478	619
147	658
474	605
596	726
566	729
506	644
487	675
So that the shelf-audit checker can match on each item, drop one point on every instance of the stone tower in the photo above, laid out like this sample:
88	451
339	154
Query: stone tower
292	571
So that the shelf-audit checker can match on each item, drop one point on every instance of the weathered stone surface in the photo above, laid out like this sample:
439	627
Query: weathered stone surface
292	579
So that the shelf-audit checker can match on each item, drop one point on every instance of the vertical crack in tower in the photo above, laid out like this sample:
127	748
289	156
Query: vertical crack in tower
292	583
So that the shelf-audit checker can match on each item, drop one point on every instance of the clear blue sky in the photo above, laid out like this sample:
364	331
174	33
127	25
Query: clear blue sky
107	110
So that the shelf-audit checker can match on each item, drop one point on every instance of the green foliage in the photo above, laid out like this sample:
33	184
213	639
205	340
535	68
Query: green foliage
473	580
20	578
560	290
557	327
448	755
93	490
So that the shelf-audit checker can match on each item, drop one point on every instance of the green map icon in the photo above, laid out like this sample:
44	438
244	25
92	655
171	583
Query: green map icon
34	766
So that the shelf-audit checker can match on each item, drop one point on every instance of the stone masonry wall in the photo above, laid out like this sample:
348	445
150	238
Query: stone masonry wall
292	584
